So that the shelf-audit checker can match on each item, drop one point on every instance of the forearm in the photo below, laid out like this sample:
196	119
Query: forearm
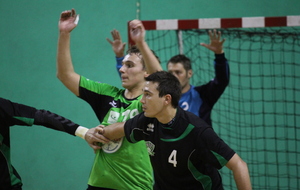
221	69
114	131
54	121
119	64
242	178
240	173
151	62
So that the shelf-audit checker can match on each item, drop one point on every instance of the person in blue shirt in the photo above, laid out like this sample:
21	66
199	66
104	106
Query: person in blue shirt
196	99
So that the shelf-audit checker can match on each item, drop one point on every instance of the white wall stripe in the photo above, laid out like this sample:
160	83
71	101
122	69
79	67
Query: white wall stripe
167	24
293	21
208	23
251	22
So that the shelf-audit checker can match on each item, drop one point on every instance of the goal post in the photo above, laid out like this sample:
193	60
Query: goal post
258	115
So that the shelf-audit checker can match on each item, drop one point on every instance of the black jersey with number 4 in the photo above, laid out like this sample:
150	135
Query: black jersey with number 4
185	155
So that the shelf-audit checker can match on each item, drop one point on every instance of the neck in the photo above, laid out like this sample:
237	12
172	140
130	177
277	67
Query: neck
185	88
167	115
133	93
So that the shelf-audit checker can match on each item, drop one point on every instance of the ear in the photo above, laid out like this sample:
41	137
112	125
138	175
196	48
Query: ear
190	73
168	99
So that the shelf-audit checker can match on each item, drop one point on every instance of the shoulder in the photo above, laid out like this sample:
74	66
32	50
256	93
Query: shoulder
98	87
193	119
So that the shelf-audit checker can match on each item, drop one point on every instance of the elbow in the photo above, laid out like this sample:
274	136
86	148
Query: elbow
59	76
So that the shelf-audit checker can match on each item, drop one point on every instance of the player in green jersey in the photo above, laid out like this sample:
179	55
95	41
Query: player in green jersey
119	164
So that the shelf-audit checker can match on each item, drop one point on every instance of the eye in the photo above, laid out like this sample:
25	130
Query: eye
147	94
177	72
130	65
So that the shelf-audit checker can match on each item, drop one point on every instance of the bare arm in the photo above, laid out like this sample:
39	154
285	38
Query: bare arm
113	131
240	172
64	66
103	134
137	33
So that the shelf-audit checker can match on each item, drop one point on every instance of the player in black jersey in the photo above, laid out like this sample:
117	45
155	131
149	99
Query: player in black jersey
185	152
11	114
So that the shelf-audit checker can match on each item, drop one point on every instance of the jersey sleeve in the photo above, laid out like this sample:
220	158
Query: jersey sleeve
134	128
12	113
98	95
54	121
211	91
119	64
216	151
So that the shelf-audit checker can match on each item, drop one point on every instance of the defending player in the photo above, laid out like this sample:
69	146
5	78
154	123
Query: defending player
185	152
11	114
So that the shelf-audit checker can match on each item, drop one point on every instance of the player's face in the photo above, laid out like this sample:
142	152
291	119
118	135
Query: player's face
132	71
180	73
152	104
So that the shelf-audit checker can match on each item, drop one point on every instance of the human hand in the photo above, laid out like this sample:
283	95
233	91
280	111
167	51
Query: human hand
137	31
68	21
117	45
215	44
94	136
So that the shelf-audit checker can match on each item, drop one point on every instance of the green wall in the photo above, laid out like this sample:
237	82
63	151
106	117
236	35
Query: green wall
48	159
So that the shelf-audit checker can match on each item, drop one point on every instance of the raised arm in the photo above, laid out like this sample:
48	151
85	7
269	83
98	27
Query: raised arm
118	47
137	34
240	172
65	71
216	44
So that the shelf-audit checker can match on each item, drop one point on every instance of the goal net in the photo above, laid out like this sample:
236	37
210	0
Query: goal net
258	115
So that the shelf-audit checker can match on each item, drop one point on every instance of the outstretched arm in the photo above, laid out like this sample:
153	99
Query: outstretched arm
137	34
104	134
118	47
240	172
65	71
216	44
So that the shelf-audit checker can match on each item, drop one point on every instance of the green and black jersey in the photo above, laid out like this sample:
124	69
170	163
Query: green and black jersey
11	114
185	154
119	164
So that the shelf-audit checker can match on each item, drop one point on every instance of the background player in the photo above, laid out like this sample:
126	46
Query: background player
196	99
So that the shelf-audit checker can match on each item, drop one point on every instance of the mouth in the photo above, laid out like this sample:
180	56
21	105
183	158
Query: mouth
124	78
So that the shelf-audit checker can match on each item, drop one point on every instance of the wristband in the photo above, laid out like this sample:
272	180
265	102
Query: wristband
81	131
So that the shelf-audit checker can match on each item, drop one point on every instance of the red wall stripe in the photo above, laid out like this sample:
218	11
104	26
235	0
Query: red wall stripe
188	24
231	23
275	21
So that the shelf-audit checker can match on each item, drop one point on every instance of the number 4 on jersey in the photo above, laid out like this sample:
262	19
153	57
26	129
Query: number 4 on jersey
172	158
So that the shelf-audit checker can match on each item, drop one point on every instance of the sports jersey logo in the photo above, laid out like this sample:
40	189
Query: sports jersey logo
113	104
112	146
150	127
150	147
185	106
113	117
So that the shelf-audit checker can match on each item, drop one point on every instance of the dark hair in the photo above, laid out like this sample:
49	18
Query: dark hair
135	50
167	84
184	60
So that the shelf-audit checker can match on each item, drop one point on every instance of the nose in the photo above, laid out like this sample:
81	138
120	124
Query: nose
121	70
142	100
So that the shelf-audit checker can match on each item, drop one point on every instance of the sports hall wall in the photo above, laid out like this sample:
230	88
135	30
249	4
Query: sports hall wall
48	159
